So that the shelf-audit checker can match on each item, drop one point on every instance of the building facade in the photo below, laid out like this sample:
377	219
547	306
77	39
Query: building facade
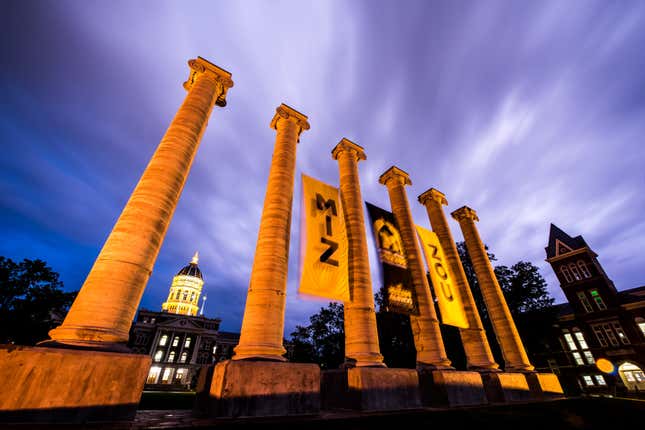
601	331
179	341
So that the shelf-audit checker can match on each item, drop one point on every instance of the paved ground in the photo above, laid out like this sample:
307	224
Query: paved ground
582	413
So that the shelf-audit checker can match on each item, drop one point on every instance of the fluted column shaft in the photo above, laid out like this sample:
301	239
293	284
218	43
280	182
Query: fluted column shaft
425	327
262	331
476	346
361	334
515	357
105	306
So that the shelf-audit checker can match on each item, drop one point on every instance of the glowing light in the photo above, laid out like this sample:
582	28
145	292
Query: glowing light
605	365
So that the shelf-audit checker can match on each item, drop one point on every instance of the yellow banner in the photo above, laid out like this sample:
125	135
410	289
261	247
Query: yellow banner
445	289
324	246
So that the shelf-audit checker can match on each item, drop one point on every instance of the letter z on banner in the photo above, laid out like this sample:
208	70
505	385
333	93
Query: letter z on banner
450	304
324	247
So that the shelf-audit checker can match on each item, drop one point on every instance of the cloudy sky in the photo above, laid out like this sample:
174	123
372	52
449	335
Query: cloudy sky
529	112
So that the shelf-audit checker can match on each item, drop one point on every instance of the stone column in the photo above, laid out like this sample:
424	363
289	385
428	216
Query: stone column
361	335
103	311
478	352
263	324
425	327
515	358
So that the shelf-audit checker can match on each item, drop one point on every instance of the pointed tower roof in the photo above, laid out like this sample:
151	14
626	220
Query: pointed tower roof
561	243
191	269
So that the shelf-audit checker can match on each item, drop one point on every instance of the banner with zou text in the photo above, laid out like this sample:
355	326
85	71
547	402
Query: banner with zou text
445	289
324	248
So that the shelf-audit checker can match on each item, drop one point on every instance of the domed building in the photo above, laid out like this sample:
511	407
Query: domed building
180	339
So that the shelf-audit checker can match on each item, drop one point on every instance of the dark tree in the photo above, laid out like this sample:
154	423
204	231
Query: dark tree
323	340
524	288
395	336
32	301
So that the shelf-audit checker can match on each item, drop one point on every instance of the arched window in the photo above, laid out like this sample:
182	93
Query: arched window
187	343
565	272
171	357
158	355
164	340
184	356
583	269
574	271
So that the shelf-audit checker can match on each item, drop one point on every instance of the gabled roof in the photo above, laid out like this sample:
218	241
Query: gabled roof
560	242
632	295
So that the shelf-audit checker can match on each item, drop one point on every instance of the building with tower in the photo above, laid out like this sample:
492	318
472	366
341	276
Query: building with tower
601	331
180	339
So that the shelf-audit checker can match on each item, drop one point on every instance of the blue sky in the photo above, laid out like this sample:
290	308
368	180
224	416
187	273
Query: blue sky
529	112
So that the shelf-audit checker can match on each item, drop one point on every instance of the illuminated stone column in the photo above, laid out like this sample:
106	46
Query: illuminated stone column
361	335
515	358
425	327
263	324
478	352
103	311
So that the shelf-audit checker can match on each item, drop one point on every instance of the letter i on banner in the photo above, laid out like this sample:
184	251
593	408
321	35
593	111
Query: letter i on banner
325	250
450	304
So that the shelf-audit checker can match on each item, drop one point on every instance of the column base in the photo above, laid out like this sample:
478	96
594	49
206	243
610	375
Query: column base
258	388
506	387
51	385
544	386
86	337
451	388
370	389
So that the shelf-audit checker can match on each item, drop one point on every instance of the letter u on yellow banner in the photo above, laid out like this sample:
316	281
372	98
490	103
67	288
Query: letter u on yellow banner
324	263
450	304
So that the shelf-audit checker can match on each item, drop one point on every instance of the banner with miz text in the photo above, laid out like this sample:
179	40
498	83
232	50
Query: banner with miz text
324	248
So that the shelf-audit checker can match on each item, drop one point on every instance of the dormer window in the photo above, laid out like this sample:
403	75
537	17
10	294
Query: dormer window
583	269
565	272
575	272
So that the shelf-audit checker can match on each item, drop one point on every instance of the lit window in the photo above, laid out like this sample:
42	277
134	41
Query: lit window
565	272
175	341
596	298
639	375
629	376
187	343
621	333
214	349
583	269
183	357
153	375
578	358
574	271
158	355
580	338
610	334
192	296
597	330
589	357
185	296
585	302
600	379
641	324
570	343
171	357
180	374
164	340
166	375
588	380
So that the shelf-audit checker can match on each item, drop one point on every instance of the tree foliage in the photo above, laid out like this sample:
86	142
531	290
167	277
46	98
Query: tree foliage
32	301
323	340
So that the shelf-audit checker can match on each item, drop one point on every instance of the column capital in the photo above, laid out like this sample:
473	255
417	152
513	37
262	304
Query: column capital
200	65
465	212
433	195
349	146
287	112
394	175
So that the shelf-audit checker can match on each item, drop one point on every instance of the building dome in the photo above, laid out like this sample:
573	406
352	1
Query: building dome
191	269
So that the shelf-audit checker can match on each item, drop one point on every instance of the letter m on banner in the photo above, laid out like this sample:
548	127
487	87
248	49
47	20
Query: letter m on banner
324	248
